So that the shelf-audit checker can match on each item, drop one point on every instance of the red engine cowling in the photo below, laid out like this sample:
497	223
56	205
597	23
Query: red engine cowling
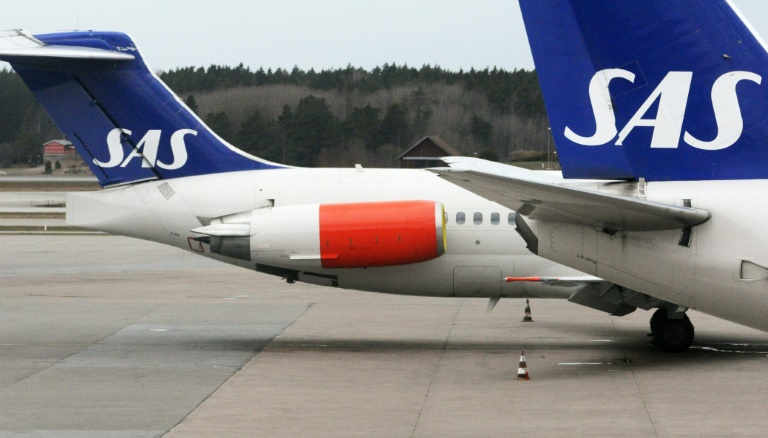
311	236
381	233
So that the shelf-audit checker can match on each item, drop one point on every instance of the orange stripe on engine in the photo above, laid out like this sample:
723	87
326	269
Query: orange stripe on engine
377	234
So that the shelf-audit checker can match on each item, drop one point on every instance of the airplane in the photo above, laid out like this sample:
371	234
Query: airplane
660	120
168	178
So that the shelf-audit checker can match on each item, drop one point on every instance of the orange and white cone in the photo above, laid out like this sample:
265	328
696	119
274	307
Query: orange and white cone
528	317
522	369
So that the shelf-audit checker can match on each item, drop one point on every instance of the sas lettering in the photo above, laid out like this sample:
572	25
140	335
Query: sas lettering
672	96
146	149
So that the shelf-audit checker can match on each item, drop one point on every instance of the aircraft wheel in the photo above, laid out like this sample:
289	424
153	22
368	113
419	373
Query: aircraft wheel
658	315
671	335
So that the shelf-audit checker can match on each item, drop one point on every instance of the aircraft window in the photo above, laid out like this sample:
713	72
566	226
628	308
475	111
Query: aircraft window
477	218
445	216
460	217
511	218
495	218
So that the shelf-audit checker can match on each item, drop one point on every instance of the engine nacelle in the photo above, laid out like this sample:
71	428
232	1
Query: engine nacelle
359	235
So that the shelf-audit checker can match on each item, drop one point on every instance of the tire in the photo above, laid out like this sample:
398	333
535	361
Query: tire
659	315
673	335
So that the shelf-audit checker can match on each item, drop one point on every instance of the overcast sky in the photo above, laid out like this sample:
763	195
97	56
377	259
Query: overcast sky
316	34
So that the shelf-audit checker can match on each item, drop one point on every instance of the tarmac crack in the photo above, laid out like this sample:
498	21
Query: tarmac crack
235	370
57	361
437	368
637	385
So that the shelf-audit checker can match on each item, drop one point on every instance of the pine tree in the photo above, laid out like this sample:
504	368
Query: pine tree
219	123
191	103
394	128
363	124
313	128
259	135
480	129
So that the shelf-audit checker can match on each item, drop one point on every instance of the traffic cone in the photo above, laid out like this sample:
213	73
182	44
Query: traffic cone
522	369
527	317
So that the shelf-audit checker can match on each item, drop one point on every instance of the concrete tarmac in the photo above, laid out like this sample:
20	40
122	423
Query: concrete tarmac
32	199
103	336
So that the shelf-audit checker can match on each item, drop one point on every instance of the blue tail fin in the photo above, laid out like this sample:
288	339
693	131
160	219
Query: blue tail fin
660	89
125	123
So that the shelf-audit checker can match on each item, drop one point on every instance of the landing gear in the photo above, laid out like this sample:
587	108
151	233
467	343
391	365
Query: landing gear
672	332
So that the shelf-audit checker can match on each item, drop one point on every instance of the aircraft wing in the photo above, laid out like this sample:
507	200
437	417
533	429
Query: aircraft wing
595	293
542	196
558	281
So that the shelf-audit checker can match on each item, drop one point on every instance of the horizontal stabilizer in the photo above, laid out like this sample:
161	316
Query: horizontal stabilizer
18	46
540	197
125	123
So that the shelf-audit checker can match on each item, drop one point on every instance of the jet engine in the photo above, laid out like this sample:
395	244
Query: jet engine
357	235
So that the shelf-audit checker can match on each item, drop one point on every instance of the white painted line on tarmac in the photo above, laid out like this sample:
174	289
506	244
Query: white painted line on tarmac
583	363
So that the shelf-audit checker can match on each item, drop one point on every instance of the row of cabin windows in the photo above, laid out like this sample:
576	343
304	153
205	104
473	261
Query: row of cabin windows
477	218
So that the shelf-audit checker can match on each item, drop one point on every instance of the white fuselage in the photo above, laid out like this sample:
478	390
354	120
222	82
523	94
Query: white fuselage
723	272
480	252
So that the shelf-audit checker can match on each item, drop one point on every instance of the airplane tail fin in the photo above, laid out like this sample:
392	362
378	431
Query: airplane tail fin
658	89
123	120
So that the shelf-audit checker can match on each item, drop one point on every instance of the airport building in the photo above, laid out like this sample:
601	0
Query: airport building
427	153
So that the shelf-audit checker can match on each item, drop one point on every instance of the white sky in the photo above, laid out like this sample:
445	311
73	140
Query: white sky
316	34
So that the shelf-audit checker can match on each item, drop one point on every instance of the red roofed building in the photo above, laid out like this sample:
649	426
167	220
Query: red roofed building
58	149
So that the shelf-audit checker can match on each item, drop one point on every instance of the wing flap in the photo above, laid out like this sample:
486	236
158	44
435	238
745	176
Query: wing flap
557	281
541	197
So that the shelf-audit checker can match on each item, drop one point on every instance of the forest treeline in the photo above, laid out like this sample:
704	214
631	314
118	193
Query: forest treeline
335	117
24	125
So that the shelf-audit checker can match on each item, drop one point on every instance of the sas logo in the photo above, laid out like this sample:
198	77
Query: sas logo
146	149
672	96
